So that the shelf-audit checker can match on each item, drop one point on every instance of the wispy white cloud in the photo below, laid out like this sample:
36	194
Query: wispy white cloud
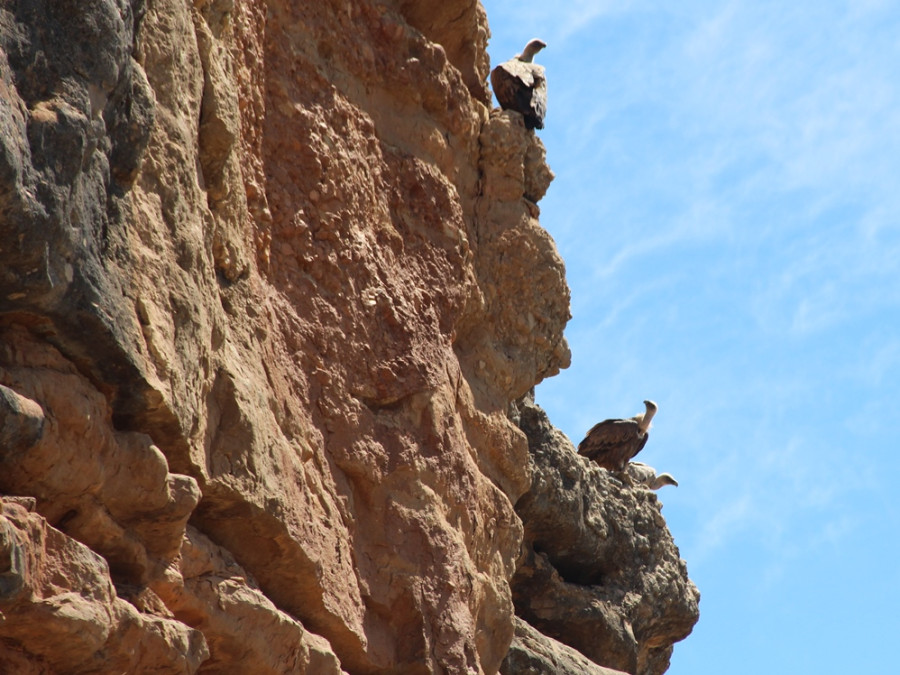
555	21
781	501
723	524
877	360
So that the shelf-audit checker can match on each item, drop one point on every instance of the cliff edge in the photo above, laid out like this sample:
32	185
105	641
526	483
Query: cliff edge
271	278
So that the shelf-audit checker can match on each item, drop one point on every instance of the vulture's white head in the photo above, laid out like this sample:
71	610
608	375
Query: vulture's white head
530	50
663	479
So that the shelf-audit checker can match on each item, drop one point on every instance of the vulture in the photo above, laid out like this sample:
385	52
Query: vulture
645	475
520	85
612	443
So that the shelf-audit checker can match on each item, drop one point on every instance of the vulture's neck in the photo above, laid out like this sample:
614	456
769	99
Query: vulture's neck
645	419
527	55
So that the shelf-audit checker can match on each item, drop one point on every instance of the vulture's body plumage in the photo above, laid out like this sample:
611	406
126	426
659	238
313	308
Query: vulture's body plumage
612	443
520	85
645	475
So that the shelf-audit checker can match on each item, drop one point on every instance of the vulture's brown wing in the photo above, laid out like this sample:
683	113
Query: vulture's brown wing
640	442
521	87
611	443
538	104
523	72
506	87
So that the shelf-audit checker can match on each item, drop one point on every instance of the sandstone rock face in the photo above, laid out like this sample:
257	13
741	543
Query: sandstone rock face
60	612
270	276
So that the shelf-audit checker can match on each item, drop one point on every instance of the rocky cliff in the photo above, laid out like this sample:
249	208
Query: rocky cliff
272	277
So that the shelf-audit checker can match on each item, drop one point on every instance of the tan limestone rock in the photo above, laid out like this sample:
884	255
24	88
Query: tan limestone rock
59	611
533	653
246	632
111	490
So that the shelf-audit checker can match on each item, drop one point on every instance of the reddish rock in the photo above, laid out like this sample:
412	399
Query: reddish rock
59	611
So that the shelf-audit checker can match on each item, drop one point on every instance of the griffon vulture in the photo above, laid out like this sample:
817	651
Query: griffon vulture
612	443
520	85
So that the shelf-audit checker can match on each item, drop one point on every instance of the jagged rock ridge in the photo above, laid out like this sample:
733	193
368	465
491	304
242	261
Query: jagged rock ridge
600	571
271	276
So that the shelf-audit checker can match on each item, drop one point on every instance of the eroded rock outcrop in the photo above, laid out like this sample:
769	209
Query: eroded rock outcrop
61	613
109	489
270	276
533	653
600	571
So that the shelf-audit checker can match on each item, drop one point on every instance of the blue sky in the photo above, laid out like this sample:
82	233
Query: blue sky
727	201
